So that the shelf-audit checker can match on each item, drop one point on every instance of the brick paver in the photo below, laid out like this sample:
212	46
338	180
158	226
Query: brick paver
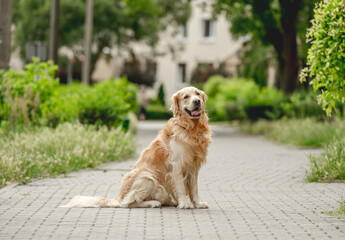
256	189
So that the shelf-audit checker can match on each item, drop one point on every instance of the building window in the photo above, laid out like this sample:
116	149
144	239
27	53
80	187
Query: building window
207	29
183	32
182	72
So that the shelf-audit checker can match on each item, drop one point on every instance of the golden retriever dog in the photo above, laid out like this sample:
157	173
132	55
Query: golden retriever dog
166	172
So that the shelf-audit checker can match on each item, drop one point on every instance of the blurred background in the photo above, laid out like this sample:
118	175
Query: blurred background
246	55
109	62
163	43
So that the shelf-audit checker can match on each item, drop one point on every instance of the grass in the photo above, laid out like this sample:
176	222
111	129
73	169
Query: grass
339	212
298	132
46	152
330	164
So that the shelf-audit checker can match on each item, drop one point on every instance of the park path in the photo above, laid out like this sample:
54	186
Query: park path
255	190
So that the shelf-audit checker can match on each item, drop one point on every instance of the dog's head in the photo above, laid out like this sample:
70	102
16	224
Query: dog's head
189	102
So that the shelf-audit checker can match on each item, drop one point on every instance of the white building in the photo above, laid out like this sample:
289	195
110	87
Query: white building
204	40
201	40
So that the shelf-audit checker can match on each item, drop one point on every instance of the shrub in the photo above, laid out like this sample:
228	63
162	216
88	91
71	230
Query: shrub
64	104
302	104
156	107
47	152
161	95
35	97
23	93
157	111
108	103
231	99
243	99
266	105
326	55
213	85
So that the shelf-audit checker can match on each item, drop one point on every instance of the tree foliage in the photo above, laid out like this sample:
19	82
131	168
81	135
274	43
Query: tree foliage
116	22
275	23
326	56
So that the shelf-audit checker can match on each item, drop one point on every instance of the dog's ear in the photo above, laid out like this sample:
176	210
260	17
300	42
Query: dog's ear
175	108
204	97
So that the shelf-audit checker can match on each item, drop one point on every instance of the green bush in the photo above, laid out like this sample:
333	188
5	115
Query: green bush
326	56
108	103
35	97
302	104
213	85
157	111
156	107
228	98
23	93
231	99
44	152
266	105
243	99
64	104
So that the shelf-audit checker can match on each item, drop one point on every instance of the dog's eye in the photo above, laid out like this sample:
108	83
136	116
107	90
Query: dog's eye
186	97
197	93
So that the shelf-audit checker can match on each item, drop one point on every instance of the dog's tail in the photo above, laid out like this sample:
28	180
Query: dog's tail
93	202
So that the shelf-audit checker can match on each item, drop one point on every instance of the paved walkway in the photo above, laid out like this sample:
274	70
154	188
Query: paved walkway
255	190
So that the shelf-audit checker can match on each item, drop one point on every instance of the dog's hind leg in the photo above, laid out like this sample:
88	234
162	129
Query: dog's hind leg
143	188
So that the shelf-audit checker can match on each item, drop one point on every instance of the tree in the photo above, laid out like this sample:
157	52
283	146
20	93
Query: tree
116	22
5	32
326	56
271	22
140	70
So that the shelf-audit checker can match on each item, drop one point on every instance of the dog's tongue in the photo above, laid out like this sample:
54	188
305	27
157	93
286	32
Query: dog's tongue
195	112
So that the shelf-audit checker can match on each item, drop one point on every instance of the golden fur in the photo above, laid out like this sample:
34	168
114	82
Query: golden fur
166	172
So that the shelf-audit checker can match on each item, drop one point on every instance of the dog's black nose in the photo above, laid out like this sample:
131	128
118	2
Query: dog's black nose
197	101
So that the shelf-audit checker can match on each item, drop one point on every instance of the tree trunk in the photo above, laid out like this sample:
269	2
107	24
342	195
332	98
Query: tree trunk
5	33
283	40
287	59
288	63
54	30
87	42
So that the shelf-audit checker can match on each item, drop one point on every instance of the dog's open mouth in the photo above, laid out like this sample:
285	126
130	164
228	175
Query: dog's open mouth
194	113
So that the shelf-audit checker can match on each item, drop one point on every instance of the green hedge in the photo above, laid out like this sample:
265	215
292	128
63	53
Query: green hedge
35	97
22	93
302	104
157	111
243	99
108	103
231	99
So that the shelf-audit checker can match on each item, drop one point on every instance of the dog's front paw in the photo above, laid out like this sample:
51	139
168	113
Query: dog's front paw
185	204
201	205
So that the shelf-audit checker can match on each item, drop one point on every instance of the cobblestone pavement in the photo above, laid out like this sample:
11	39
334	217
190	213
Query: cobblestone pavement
255	190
